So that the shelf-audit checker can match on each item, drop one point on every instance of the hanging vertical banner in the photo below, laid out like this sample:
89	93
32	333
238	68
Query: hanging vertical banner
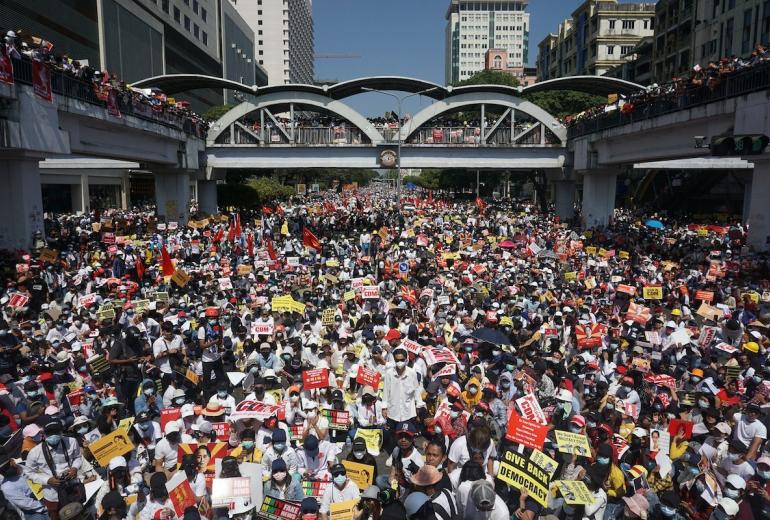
112	103
41	80
6	66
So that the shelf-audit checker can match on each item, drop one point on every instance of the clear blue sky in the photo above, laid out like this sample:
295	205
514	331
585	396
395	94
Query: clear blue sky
401	38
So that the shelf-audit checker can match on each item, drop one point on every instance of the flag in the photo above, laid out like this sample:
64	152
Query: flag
219	235
271	250
310	240
166	263
139	269
481	204
430	197
238	229
230	233
250	244
6	66
409	294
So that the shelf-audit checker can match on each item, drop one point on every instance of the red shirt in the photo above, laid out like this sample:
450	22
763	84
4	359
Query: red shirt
727	400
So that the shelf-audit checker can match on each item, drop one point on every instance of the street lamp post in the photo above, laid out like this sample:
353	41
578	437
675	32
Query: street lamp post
399	101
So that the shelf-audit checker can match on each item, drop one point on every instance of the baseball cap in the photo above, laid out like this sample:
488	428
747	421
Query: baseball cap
564	395
278	435
338	469
406	427
311	445
117	462
483	495
736	481
371	492
414	502
171	427
426	476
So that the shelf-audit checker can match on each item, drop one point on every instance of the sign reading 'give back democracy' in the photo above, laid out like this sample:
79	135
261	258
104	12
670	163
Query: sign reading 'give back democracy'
532	473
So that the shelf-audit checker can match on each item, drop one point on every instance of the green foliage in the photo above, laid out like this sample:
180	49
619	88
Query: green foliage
563	103
252	194
489	77
215	112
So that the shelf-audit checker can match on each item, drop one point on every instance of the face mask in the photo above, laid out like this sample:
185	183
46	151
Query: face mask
667	511
248	445
149	391
179	402
609	406
222	393
32	395
212	322
510	368
145	426
703	404
279	476
731	493
764	475
574	429
454	413
505	384
340	479
279	446
437	429
695	379
400	364
473	390
53	440
591	424
83	431
294	398
311	415
603	460
497	352
359	454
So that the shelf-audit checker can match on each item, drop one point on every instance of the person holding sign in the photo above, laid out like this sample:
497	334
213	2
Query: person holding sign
341	489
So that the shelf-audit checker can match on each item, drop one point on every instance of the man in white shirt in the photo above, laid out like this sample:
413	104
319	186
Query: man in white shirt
168	344
750	430
402	391
339	490
166	448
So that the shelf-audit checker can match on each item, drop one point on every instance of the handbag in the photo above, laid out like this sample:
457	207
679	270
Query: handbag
71	490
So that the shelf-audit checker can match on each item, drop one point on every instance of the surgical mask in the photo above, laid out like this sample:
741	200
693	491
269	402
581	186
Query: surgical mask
248	445
279	446
473	390
294	398
280	476
497	352
400	364
603	460
359	454
222	393
149	391
764	475
731	493
574	429
33	394
667	511
695	379
340	479
179	402
53	440
609	406
437	429
505	384
311	415
591	424
510	368
703	404
83	430
454	413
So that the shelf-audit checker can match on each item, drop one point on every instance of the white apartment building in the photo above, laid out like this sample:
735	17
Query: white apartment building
730	28
283	32
474	27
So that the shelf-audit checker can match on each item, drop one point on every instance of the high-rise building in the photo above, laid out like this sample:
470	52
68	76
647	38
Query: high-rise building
729	28
474	27
675	23
595	39
137	39
284	37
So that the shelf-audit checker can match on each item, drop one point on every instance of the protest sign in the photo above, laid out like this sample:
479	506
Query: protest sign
572	443
180	493
447	371
704	296
678	426
277	509
532	473
169	414
110	446
227	490
370	292
342	510
372	438
48	255
575	492
222	429
524	431
650	292
18	300
327	318
435	355
338	419
261	329
254	410
180	277
314	488
411	346
315	378
660	440
368	377
349	295
530	408
361	474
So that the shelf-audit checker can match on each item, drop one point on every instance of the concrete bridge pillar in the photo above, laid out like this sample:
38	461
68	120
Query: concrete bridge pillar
759	210
21	201
598	197
172	195
207	197
564	195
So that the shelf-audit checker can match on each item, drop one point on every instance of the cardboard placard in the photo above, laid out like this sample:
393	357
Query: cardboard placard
368	377
575	492
254	410
227	490
327	317
704	296
569	442
180	277
526	432
48	255
361	474
338	419
650	292
315	378
349	295
180	493
372	438
342	510
277	509
370	292
112	445
532	473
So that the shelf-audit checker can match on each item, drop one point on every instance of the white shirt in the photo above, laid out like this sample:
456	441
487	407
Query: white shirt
39	471
402	395
167	453
459	453
745	431
333	494
163	346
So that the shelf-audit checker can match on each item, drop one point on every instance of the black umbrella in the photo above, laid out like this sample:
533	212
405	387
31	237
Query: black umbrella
493	336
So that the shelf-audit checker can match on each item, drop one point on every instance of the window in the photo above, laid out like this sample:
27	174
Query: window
196	30
186	22
195	6
629	24
746	37
498	62
610	50
646	24
176	14
204	38
612	24
729	30
164	6
204	14
260	42
626	49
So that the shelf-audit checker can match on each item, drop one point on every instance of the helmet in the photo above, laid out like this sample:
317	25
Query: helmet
212	312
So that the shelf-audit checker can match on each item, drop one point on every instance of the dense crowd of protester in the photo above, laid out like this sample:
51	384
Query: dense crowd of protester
698	82
20	45
343	358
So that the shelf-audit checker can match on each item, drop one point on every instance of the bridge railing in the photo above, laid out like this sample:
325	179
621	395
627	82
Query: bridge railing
313	136
740	83
66	85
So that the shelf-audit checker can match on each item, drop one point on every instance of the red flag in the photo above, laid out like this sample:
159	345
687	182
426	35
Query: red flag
481	204
166	263
230	233
6	66
266	210
41	80
310	240
250	244
238	225
279	210
430	197
139	269
219	235
409	294
271	250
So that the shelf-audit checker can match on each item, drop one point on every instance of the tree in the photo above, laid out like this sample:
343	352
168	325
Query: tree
215	112
563	103
489	77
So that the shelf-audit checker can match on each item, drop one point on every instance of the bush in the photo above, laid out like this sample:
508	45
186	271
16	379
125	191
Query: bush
252	194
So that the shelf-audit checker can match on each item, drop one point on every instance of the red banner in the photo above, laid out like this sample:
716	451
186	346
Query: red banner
112	103
182	497
589	336
706	296
368	377
6	66
316	378
18	300
626	289
167	415
41	80
222	430
526	432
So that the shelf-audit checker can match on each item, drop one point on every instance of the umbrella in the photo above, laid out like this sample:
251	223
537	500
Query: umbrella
493	336
654	224
410	186
507	244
